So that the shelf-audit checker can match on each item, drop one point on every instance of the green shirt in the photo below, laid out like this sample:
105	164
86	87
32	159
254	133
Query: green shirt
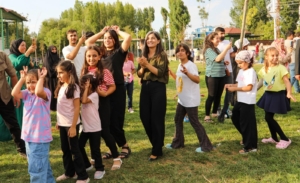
18	63
161	63
213	68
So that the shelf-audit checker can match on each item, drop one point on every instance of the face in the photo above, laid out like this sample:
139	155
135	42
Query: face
72	38
221	35
53	50
272	58
216	41
181	54
108	41
63	76
243	65
92	57
31	82
22	47
152	41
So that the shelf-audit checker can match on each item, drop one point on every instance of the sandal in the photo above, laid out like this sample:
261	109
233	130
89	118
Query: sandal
283	144
116	167
125	154
107	156
208	120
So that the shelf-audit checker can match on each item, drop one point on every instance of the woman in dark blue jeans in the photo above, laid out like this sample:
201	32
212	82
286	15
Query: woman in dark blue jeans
128	71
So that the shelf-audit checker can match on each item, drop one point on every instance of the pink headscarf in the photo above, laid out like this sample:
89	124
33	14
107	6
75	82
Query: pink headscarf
279	45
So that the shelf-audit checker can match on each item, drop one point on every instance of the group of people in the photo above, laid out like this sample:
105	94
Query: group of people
89	87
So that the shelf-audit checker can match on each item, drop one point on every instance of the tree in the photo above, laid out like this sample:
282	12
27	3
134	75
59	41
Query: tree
163	31
202	12
179	18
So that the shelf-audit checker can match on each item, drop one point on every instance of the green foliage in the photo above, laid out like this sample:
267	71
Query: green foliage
288	16
202	12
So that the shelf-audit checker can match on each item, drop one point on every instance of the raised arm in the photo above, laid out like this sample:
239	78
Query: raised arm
16	92
126	38
92	40
74	52
84	98
39	88
221	56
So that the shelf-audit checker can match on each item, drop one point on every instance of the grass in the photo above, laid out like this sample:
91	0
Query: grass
224	164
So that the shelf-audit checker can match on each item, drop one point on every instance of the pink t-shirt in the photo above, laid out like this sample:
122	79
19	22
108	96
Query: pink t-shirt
108	79
36	118
128	67
65	107
89	113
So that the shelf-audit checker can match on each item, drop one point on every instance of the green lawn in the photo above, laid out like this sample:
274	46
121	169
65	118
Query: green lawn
224	164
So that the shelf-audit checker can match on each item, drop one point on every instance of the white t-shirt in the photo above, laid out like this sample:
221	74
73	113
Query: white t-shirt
89	114
65	107
188	91
78	60
222	45
245	78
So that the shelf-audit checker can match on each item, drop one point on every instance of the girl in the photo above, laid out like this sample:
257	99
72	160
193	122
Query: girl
93	65
128	71
187	83
243	113
68	106
91	129
214	74
274	100
36	131
115	54
153	69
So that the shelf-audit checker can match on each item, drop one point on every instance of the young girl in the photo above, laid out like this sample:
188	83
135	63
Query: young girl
91	129
187	83
243	113
128	71
36	130
93	65
275	99
68	107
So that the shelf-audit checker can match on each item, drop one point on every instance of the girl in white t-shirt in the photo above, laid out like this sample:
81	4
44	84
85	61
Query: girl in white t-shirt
91	124
67	93
187	83
243	113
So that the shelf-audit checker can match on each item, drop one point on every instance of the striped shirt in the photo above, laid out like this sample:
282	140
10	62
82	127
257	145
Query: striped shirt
108	79
213	68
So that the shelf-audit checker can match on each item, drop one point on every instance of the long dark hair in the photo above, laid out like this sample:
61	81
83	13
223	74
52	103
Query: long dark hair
115	37
68	67
159	47
208	43
93	82
186	48
99	73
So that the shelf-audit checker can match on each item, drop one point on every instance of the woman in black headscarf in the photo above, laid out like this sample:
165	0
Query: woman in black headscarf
50	62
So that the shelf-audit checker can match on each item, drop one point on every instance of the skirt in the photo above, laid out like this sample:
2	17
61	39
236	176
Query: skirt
274	102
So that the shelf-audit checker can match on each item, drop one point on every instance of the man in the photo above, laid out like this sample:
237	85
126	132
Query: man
229	79
7	110
74	51
290	43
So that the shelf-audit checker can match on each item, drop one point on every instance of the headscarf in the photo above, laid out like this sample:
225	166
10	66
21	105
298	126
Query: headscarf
51	60
244	55
245	43
14	48
277	44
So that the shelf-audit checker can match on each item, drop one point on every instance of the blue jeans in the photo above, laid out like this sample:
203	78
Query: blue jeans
38	162
261	60
294	81
129	90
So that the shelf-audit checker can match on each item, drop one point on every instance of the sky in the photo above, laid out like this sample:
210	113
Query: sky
39	10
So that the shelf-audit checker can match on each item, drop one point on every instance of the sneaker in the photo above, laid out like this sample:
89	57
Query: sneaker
64	177
283	144
186	119
229	112
246	151
83	181
92	161
169	146
99	174
269	140
130	110
89	168
199	150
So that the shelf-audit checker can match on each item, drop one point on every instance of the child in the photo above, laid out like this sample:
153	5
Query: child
67	93
93	65
36	130
91	124
275	99
128	71
187	83
243	113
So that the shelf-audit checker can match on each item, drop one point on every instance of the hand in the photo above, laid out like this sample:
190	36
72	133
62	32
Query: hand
184	70
297	77
229	46
32	48
24	72
82	39
72	132
143	62
101	92
56	126
42	74
87	84
115	28
16	102
105	29
175	96
226	62
231	89
290	96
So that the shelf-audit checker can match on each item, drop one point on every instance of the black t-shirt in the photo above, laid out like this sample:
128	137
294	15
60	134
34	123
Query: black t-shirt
114	63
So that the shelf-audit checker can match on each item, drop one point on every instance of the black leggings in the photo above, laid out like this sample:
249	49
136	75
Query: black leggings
274	127
215	86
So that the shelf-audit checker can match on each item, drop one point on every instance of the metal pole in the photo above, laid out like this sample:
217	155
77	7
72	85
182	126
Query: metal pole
137	43
278	19
244	23
2	32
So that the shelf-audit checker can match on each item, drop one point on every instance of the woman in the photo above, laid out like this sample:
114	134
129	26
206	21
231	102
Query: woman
114	59
261	53
19	57
214	74
50	62
153	70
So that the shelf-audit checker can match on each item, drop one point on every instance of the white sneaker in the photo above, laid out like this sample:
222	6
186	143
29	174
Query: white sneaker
99	174
64	177
89	168
130	110
83	181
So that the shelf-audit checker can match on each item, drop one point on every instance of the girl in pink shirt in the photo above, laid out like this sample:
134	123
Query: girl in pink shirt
128	71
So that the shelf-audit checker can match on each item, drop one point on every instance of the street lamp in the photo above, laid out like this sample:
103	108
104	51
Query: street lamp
168	31
137	43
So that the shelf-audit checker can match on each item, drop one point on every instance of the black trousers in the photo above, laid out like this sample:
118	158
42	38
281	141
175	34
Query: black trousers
153	102
215	86
192	113
7	111
117	104
274	127
104	113
243	118
72	158
95	142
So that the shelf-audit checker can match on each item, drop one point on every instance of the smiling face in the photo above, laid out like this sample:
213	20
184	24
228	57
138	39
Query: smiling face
72	38
182	54
216	41
22	47
92	57
272	58
108	41
152	41
31	82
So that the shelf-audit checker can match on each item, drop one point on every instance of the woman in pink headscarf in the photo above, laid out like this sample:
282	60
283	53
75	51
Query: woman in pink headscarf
284	57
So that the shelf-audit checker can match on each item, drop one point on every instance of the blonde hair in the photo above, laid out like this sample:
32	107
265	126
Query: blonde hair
267	52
